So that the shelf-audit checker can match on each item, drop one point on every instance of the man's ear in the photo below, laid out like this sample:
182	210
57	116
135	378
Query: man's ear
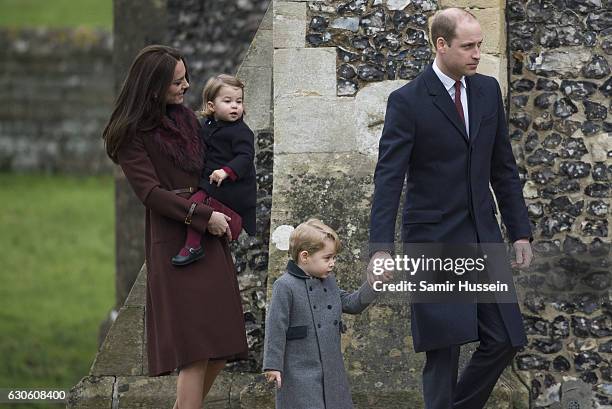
440	43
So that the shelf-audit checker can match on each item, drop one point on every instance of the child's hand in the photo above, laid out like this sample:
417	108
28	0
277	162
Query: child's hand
274	376
376	270
218	176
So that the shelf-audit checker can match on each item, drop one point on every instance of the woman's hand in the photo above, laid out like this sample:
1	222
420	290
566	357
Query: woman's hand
217	225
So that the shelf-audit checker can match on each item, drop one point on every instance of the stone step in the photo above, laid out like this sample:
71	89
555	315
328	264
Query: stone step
247	390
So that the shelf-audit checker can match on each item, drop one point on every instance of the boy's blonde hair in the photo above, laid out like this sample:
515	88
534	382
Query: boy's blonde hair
212	88
310	236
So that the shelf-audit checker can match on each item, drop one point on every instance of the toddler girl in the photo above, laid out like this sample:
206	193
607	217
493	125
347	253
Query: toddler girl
229	173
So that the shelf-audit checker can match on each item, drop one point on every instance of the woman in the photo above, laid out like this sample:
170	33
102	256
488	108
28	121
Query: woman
194	314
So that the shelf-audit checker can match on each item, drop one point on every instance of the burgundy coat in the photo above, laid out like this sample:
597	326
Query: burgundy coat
193	312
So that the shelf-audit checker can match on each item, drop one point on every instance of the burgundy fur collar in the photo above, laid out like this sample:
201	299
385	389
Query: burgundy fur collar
178	138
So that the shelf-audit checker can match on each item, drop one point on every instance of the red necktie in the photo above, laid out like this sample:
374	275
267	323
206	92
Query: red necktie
458	101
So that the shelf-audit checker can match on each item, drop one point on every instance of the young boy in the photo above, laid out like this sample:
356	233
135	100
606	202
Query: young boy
302	351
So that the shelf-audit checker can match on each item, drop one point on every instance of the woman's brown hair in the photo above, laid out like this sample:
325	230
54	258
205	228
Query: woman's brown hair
141	103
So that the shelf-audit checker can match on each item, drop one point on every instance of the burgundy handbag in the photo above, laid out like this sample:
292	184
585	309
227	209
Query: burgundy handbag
235	224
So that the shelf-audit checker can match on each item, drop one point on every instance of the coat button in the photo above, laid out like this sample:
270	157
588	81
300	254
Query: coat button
325	289
329	307
319	325
335	322
310	288
314	307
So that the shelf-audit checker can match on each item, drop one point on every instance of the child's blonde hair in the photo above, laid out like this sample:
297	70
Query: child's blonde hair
212	88
310	236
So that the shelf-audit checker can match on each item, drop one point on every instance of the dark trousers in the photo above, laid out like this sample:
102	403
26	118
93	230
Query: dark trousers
441	390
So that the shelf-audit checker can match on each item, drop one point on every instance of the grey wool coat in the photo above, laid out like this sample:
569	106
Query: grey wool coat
303	328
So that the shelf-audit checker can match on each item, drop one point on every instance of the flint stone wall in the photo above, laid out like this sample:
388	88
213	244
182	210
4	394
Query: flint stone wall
58	84
213	35
56	88
560	89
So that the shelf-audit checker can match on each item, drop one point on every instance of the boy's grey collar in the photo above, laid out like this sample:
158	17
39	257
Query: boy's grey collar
296	271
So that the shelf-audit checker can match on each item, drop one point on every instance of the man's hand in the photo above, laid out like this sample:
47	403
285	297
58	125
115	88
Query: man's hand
524	255
377	262
218	176
274	376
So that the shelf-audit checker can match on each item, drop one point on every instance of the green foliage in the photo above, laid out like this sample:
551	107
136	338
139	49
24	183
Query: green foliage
57	275
56	13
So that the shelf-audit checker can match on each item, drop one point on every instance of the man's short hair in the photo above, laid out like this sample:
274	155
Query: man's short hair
444	23
310	236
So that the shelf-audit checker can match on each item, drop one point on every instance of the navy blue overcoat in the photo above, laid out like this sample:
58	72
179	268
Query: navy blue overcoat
448	197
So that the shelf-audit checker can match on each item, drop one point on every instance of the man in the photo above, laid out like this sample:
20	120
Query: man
445	134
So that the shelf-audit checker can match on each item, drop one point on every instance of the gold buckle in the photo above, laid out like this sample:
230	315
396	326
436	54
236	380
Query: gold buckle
190	213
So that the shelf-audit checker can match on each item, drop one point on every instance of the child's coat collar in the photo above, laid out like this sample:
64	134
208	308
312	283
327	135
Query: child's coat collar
296	271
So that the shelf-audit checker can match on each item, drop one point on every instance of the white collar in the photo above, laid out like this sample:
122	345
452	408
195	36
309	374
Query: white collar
447	81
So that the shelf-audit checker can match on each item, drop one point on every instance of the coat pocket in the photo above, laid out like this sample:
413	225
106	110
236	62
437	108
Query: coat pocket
299	332
422	216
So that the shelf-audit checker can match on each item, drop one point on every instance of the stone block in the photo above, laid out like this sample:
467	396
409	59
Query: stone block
251	391
343	186
471	4
122	352
259	53
370	108
313	124
138	293
266	21
576	394
289	24
508	393
389	399
145	392
92	392
599	147
257	96
305	72
503	75
494	66
219	395
493	25
566	62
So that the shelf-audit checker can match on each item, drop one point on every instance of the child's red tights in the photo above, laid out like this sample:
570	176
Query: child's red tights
193	236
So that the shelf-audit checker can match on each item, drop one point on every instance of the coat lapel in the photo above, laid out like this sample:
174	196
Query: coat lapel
475	107
443	101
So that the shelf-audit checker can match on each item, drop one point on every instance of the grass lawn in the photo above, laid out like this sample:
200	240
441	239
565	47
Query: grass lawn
57	275
56	13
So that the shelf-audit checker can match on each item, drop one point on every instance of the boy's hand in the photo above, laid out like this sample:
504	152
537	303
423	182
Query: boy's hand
274	376
218	176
